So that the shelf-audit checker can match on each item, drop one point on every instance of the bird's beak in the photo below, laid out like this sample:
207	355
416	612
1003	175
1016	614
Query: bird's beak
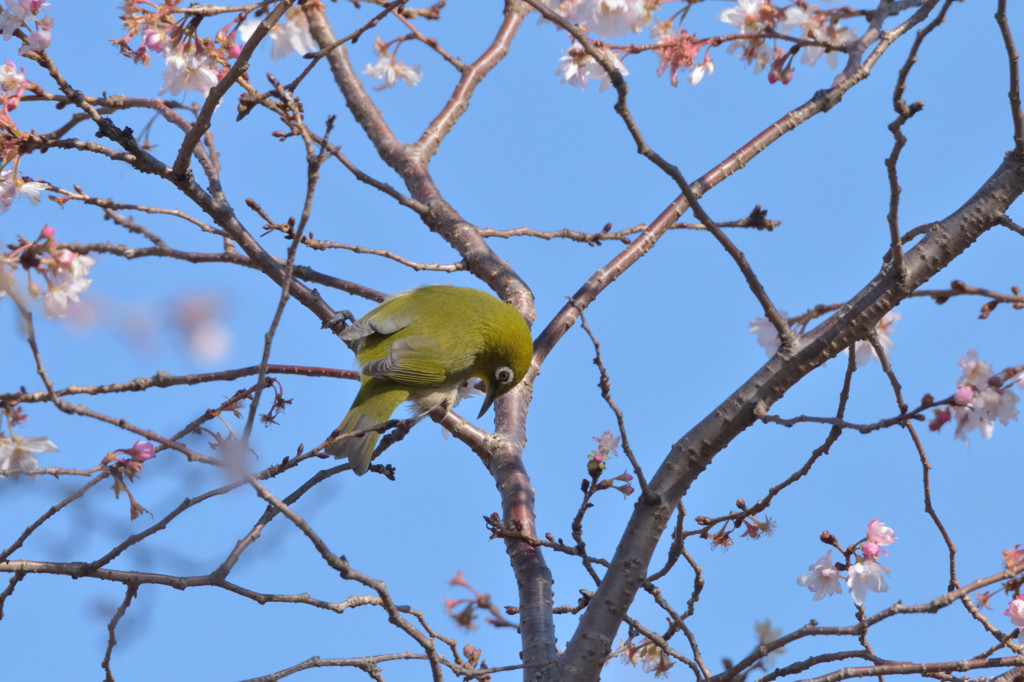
492	391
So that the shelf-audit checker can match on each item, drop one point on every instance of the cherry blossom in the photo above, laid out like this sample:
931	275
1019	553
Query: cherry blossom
605	18
866	575
578	67
38	39
188	72
767	336
823	580
865	352
12	187
17	454
976	372
70	281
1016	614
389	70
812	27
12	80
16	14
705	67
987	407
289	35
611	18
751	16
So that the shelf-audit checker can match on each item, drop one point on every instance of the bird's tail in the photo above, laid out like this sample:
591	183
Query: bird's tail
373	405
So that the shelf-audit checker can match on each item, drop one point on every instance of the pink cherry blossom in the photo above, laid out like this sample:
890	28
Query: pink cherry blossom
1016	614
39	39
12	80
880	534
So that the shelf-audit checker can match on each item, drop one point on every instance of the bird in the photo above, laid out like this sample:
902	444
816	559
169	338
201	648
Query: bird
423	345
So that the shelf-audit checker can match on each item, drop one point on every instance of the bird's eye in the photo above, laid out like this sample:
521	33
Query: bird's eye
503	375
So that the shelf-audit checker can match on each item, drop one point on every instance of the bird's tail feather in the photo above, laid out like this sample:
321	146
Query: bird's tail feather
374	405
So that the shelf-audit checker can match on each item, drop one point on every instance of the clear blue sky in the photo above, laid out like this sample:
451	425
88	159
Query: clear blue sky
529	151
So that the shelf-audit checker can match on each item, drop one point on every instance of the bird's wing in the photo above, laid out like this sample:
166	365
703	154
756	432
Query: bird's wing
413	361
387	318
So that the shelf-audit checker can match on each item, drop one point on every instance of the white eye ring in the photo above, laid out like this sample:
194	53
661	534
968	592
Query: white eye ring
503	375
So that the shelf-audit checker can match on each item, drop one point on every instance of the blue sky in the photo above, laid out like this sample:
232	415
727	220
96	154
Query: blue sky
530	151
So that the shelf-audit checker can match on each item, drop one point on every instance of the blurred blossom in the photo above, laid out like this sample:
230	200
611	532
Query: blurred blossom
963	396
67	284
199	319
766	634
39	39
12	79
390	71
1016	614
13	187
865	352
606	18
17	13
976	373
290	35
813	27
750	16
988	406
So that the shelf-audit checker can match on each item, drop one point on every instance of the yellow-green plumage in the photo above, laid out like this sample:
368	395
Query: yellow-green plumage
423	345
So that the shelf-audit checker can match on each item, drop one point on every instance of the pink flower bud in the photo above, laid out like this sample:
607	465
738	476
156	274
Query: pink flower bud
64	258
142	450
235	50
963	396
154	40
871	550
46	232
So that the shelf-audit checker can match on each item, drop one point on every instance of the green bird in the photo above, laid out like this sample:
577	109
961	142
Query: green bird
423	345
